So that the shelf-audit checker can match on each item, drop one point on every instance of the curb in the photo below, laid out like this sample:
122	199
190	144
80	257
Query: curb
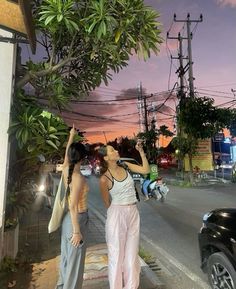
208	182
145	269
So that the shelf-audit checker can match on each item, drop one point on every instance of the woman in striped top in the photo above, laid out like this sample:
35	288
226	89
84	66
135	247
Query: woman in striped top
75	222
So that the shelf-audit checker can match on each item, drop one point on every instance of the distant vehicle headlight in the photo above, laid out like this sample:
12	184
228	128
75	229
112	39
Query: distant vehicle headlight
41	188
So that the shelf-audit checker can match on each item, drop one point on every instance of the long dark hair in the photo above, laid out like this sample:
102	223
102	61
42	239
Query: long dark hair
76	153
102	152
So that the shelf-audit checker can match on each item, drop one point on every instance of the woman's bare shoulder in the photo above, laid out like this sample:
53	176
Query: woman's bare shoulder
106	178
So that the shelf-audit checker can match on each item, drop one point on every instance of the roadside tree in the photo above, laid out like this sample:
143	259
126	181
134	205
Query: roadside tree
151	137
199	119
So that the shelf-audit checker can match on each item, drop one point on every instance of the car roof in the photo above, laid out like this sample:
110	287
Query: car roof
127	159
131	160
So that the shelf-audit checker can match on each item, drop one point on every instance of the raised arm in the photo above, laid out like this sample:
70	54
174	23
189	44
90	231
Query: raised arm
144	167
72	134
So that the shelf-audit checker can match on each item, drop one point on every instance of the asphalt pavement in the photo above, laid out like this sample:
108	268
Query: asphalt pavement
169	231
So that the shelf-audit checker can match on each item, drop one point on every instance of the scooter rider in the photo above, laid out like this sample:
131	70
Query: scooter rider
155	188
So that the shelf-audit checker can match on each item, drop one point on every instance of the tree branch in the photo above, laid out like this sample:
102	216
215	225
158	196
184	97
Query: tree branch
30	74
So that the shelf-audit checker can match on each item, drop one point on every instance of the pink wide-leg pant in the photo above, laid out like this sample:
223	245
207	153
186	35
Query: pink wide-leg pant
122	236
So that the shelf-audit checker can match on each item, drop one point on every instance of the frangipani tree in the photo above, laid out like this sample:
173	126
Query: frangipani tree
85	42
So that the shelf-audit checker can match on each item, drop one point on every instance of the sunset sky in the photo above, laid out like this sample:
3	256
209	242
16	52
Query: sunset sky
214	57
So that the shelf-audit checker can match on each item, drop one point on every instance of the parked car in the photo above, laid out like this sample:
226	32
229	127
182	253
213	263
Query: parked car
136	176
86	168
217	243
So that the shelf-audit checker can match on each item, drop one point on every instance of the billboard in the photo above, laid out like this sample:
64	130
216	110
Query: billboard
203	158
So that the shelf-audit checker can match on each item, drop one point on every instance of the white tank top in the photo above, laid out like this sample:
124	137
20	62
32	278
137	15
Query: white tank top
123	192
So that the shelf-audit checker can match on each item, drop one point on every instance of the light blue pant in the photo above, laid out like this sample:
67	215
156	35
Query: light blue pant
145	185
72	258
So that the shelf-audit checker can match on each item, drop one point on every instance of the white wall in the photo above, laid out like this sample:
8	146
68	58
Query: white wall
7	71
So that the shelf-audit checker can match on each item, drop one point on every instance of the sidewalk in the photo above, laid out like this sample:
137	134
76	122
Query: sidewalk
172	177
39	256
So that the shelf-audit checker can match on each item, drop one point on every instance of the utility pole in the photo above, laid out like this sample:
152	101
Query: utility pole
181	70
145	113
189	37
142	108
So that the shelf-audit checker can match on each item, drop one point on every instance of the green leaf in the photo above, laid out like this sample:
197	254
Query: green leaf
103	27
30	148
49	142
91	27
117	35
49	19
59	17
53	136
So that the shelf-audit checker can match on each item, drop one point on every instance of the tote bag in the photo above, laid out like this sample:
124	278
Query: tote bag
59	207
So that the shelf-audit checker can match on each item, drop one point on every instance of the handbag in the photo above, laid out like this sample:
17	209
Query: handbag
59	207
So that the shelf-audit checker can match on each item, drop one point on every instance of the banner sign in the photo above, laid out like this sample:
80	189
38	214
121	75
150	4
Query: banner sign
203	158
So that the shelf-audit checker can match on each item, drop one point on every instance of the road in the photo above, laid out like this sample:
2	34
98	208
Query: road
169	231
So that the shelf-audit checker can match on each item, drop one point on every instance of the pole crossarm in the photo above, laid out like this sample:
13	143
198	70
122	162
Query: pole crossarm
188	19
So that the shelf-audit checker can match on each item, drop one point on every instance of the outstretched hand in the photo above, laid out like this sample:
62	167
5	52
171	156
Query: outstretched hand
73	131
139	146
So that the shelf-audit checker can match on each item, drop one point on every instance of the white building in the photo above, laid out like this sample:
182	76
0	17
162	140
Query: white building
15	17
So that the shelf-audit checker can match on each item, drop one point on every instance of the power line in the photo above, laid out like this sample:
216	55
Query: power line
222	104
95	121
215	95
218	85
216	91
95	116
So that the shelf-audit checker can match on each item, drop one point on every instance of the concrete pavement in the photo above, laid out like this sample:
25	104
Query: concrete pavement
173	177
39	256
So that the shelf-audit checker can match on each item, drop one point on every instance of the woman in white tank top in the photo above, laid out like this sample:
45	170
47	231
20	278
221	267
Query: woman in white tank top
123	222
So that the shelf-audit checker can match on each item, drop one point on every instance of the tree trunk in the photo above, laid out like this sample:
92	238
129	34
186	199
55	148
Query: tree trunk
190	156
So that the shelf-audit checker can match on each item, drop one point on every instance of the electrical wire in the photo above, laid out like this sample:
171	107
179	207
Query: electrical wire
214	95
228	102
96	121
215	91
219	85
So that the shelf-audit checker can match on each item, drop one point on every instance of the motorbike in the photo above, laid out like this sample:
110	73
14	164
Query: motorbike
155	189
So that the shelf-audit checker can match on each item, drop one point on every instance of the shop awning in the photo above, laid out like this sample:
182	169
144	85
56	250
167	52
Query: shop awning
16	17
